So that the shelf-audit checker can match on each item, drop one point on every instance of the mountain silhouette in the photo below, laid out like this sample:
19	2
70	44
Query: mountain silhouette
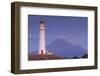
64	48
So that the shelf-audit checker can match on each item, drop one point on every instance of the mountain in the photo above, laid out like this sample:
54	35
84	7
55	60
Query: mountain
64	48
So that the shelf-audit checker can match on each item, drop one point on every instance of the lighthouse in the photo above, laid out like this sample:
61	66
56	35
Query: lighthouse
42	48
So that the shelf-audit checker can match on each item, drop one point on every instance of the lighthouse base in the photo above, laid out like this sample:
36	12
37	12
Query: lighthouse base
42	52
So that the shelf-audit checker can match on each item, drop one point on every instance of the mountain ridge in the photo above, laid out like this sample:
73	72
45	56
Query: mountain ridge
64	48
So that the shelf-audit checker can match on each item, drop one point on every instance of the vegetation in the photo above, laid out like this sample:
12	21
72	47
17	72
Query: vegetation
85	56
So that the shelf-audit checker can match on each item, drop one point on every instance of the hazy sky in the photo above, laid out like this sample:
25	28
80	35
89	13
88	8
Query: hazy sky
72	29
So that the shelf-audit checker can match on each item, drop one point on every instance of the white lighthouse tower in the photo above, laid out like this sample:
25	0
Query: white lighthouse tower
42	49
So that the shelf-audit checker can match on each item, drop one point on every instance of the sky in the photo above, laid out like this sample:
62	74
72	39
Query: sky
72	29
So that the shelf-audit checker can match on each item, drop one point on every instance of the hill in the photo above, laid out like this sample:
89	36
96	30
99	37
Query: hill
64	48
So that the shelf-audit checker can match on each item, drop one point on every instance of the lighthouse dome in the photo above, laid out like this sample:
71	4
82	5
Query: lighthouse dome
42	25
42	22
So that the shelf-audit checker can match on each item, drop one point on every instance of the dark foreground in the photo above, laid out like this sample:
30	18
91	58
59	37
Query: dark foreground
43	57
52	57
